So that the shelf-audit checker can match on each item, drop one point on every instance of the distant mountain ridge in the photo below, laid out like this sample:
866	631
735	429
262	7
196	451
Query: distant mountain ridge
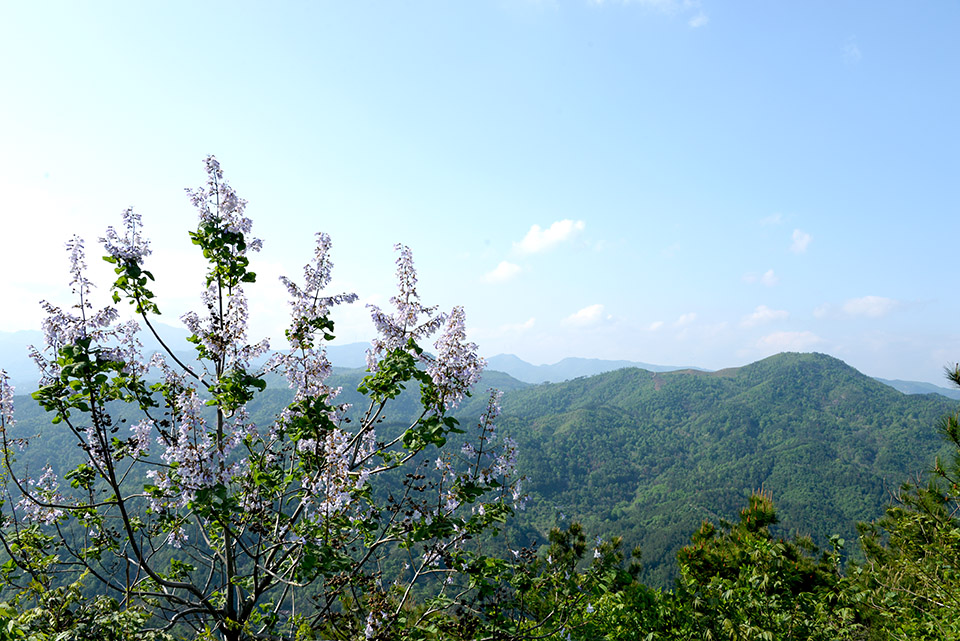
571	368
568	368
14	360
23	373
916	387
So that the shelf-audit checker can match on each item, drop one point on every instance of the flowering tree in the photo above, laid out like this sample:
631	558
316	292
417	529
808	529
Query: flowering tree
212	522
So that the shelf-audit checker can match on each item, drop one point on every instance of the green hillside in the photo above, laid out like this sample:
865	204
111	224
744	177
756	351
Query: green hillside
650	455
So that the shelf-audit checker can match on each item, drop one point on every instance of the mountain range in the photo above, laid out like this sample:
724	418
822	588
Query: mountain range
23	373
566	369
648	455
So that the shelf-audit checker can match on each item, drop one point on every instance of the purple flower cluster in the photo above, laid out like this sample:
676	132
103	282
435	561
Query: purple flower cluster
225	335
46	489
218	203
129	350
405	323
195	457
62	327
493	458
6	400
132	246
457	367
140	441
78	267
306	366
329	490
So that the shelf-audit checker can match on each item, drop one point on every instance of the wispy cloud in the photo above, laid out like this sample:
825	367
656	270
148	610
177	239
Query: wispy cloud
772	219
671	251
517	328
590	315
851	52
685	319
502	272
801	240
768	278
538	239
789	341
698	20
670	7
663	5
507	329
870	306
762	315
655	325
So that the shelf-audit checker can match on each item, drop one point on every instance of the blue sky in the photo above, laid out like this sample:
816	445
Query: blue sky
666	181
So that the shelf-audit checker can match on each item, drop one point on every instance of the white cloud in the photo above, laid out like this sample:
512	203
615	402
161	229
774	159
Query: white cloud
789	341
507	329
538	240
822	311
870	306
655	325
768	278
698	20
587	316
685	319
671	251
772	219
663	5
801	240
763	314
851	52
669	7
517	328
503	272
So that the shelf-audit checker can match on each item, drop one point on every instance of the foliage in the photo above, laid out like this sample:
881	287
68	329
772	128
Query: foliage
66	614
739	582
910	583
558	588
736	582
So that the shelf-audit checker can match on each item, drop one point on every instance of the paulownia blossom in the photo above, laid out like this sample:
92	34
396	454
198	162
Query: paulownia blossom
410	320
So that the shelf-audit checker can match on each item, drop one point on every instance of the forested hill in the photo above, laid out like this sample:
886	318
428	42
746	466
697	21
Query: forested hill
650	455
